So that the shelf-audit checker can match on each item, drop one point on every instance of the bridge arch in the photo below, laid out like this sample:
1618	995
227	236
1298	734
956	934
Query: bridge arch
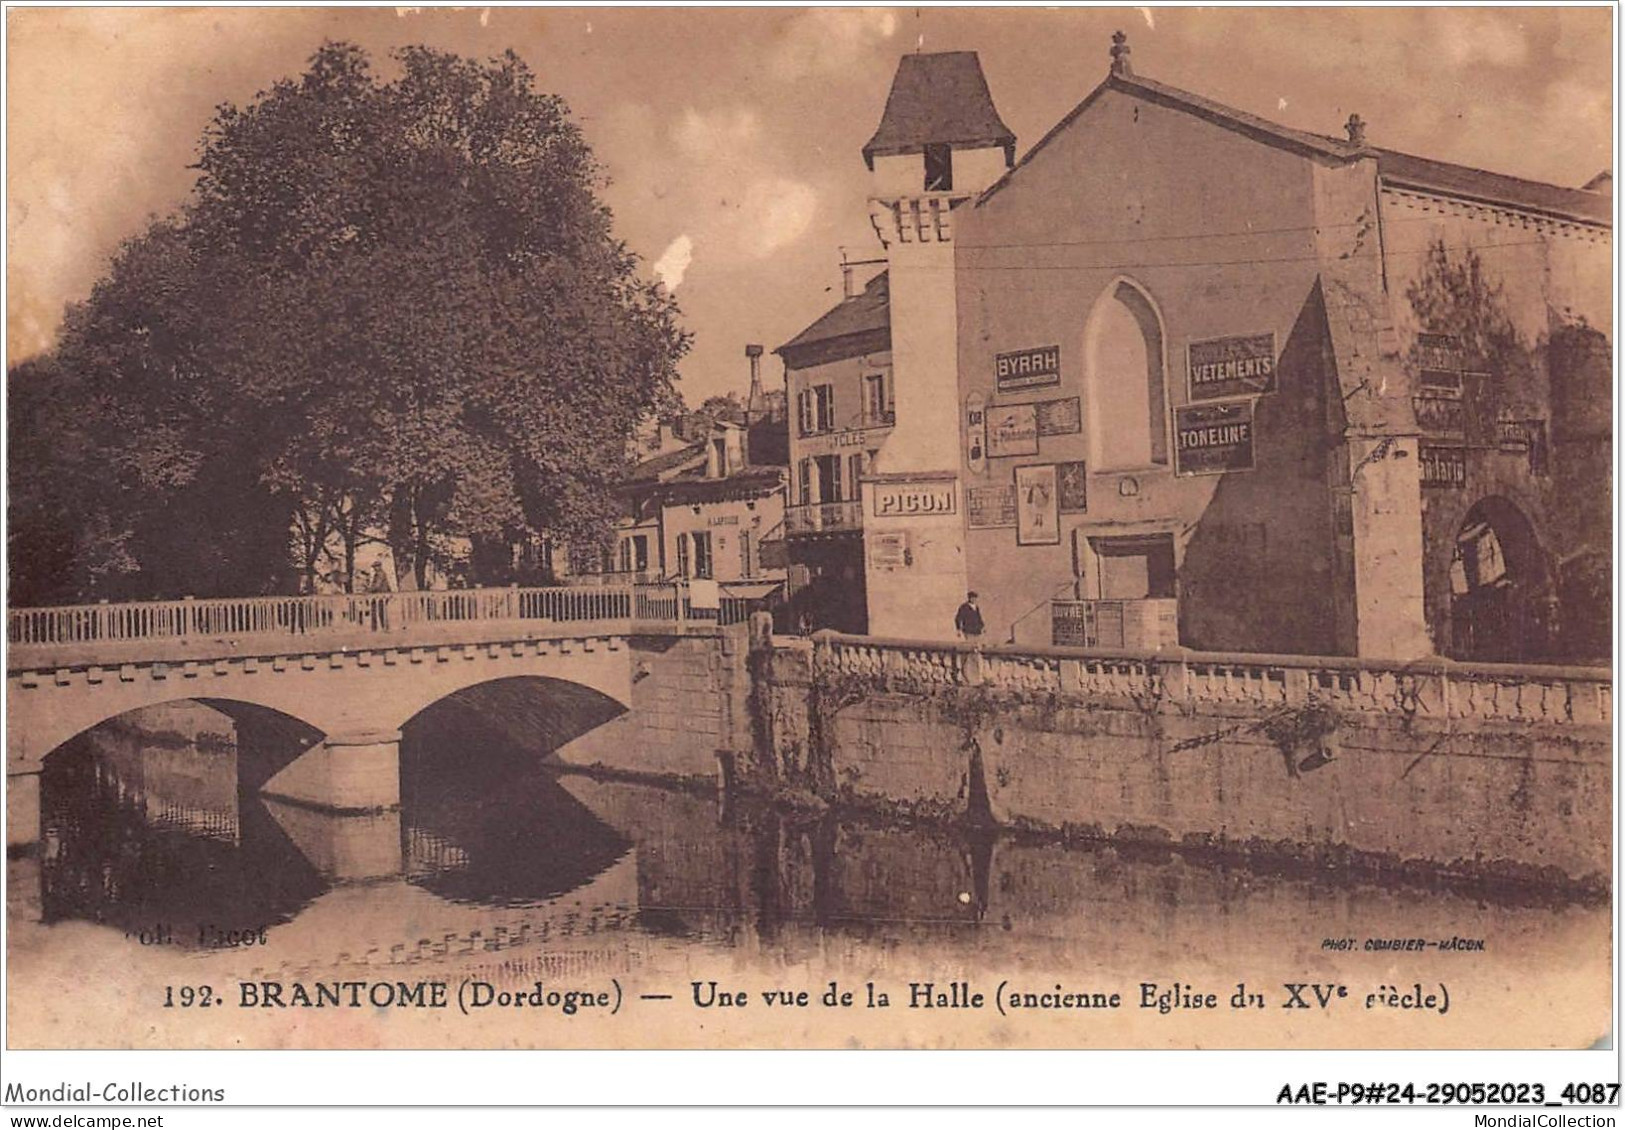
545	706
526	713
336	694
72	717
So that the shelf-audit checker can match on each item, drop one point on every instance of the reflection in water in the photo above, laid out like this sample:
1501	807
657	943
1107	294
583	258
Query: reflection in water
142	836
492	850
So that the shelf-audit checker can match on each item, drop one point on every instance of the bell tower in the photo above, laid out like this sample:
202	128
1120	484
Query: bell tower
940	142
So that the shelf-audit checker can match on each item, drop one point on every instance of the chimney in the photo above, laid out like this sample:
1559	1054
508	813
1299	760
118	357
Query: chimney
756	402
849	285
754	352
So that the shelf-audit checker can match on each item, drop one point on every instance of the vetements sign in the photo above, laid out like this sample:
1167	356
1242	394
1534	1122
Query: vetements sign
910	500
1028	368
1210	439
1232	366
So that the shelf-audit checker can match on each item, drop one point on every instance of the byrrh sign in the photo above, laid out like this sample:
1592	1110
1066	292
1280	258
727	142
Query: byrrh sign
1028	368
1232	366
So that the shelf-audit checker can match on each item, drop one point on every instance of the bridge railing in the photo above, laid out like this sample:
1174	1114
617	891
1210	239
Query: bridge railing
336	614
1437	688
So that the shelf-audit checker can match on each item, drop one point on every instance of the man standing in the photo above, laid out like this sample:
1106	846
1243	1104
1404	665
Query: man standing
968	620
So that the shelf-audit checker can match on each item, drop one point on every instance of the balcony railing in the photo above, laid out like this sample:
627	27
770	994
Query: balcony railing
824	517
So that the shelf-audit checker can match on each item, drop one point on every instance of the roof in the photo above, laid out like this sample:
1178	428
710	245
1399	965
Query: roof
751	482
938	98
656	467
1495	188
1392	166
863	315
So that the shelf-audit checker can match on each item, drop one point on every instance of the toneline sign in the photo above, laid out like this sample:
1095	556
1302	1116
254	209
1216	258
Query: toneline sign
1210	439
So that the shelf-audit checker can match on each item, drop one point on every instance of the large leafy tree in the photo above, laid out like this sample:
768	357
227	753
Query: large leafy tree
390	308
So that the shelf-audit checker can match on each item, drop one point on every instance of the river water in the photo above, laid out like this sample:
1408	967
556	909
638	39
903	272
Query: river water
165	879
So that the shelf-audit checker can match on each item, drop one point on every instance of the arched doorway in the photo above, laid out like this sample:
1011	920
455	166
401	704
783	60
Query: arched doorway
1502	602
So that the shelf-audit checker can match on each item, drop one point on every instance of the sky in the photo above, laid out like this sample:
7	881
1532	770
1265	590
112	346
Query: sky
732	136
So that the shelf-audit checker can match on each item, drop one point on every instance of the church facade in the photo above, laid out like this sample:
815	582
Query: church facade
1223	384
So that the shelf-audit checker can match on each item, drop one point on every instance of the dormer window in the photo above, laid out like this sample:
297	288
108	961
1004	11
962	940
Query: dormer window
719	457
939	168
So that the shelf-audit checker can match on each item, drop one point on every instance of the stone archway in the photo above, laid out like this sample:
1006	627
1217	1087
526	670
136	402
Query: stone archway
1503	603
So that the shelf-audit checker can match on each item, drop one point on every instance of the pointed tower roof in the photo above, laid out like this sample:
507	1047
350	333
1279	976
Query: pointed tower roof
936	99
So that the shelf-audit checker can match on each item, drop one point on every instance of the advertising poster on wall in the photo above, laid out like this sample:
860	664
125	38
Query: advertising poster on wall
889	551
1440	416
1072	485
1443	466
1060	417
912	499
991	508
1012	429
976	433
1038	520
1210	439
1028	368
1232	366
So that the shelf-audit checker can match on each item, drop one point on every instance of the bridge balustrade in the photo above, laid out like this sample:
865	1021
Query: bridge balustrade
400	615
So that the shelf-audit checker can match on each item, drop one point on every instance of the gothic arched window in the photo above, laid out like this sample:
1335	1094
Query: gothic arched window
1127	398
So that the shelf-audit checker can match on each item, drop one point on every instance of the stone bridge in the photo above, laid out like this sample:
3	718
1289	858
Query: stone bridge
353	667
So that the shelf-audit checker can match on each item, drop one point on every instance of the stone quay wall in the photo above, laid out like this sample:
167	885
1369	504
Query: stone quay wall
1478	772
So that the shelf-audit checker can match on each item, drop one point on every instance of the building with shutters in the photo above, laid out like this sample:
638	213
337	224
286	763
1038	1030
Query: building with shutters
706	502
1217	382
839	395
